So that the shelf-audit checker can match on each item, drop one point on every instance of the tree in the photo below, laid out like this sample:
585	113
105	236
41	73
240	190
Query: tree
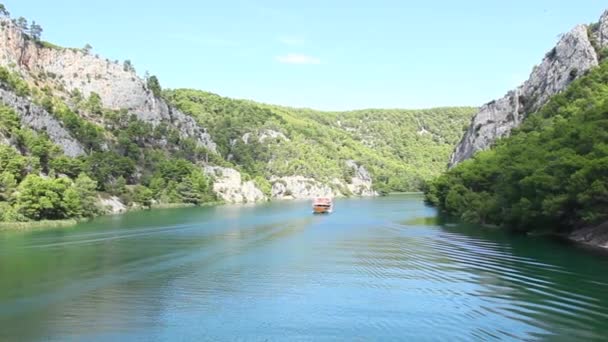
187	193
3	11
22	24
94	104
35	31
154	86
12	162
87	49
8	184
38	198
142	195
127	66
85	188
70	167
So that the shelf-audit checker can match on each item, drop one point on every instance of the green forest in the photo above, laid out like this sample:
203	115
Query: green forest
551	172
144	165
401	148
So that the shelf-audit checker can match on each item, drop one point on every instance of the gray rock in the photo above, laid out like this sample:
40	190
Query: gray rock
361	182
571	57
112	205
594	236
601	35
298	187
40	120
229	186
263	135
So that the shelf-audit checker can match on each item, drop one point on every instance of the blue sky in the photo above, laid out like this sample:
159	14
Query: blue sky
321	54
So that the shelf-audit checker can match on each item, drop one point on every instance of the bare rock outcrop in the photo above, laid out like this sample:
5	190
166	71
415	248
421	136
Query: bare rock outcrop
36	118
112	205
575	53
264	135
299	187
361	182
594	236
229	186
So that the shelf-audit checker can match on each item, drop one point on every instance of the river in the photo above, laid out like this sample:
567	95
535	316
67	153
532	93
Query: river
376	269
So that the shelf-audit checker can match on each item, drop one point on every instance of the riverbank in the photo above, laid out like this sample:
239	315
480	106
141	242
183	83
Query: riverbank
49	224
596	236
38	224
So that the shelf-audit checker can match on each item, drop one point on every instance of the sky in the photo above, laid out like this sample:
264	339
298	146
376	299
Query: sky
330	55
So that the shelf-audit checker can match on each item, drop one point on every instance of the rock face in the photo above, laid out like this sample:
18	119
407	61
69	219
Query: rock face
299	187
37	118
113	205
601	34
263	135
574	54
229	186
361	182
593	236
117	84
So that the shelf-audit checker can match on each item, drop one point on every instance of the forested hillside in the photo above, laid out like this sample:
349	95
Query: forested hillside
400	148
552	173
81	135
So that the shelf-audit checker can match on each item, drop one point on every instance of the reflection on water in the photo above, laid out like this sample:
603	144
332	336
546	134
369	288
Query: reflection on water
375	269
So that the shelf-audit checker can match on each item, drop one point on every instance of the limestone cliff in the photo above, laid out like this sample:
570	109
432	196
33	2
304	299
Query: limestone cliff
35	117
65	70
229	186
299	187
576	52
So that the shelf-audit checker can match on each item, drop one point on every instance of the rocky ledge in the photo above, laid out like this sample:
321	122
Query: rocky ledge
594	236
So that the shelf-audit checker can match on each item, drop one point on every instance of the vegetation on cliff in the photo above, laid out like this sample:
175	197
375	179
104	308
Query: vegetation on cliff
551	173
400	148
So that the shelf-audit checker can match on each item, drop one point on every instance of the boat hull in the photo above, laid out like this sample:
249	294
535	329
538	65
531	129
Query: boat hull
321	210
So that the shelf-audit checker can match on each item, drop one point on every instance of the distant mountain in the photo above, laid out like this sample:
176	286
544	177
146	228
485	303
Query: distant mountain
80	135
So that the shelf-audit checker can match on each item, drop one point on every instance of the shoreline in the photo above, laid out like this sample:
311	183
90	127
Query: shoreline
68	223
43	224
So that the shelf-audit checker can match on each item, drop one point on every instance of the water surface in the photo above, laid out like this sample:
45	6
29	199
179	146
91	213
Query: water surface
375	269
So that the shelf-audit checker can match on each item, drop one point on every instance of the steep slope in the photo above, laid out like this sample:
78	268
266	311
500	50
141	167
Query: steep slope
551	174
576	52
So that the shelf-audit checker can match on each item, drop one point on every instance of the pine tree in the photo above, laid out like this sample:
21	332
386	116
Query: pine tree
35	31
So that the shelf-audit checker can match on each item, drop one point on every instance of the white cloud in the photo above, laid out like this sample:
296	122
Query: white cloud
295	58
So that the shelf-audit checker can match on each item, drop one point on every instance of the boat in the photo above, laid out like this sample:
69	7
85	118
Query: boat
322	205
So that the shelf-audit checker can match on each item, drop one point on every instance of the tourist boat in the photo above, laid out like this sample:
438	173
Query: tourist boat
322	205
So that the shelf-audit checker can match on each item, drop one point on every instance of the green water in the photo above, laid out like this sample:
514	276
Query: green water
375	269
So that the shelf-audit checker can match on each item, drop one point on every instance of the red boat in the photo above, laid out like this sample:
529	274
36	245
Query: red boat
322	205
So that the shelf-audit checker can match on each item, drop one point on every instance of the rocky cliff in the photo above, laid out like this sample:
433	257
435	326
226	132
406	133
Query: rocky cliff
37	118
229	186
360	184
576	52
65	70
